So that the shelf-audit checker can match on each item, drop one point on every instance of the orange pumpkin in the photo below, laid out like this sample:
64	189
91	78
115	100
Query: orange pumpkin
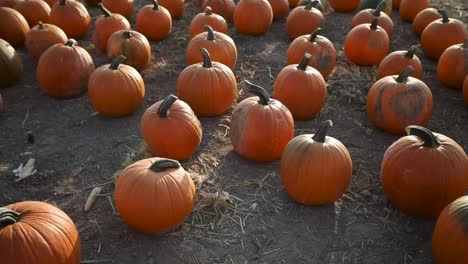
209	87
220	46
224	8
29	227
395	62
72	17
344	5
410	8
367	15
453	66
175	7
154	21
423	172
303	20
8	3
56	65
465	90
11	66
301	89
51	3
33	11
441	34
43	36
367	44
215	21
423	19
395	102
13	27
116	89
105	25
305	173
322	50
260	129
253	17
293	3
171	129
133	45
123	7
280	8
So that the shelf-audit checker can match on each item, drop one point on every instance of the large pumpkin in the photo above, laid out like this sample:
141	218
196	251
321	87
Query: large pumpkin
33	11
260	126
171	129
209	87
465	90
175	7
41	37
133	45
215	21
424	18
8	3
367	15
253	17
116	89
13	27
123	7
423	172
280	8
301	89
224	8
410	8
106	25
374	4
220	46
154	21
344	5
453	65
304	19
72	17
11	66
395	102
63	70
37	232
395	62
316	169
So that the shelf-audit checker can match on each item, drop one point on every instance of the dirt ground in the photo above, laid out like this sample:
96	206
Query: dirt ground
252	220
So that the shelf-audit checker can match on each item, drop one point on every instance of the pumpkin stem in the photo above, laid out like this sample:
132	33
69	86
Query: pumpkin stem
445	18
322	131
127	34
63	2
314	34
403	77
379	8
411	51
208	11
104	10
155	5
41	25
258	91
71	42
8	217
166	104
375	23
211	35
304	62
164	164
428	138
116	62
206	58
308	5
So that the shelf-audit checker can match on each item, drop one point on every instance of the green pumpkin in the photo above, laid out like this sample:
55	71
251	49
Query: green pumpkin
374	3
11	66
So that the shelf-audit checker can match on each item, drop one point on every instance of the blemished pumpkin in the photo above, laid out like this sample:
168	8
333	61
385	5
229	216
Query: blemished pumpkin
367	15
116	89
207	18
441	34
253	17
450	237
465	90
72	17
423	172
11	65
395	62
220	46
452	66
395	102
56	64
374	4
171	129
41	37
209	87
154	21
344	6
304	19
154	195
13	27
280	8
8	3
367	44
106	25
321	49
123	7
410	8
29	227
316	169
301	89
224	8
133	45
261	127
424	18
33	11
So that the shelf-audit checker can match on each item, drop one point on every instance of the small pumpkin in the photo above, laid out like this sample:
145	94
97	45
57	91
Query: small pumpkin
441	34
224	8
171	129
11	66
33	11
215	21
116	89
72	17
465	90
220	46
154	21
63	70
367	15
423	19
280	8
304	19
123	7
92	3
316	169
301	89
395	102
374	4
106	25
253	17
367	44
321	49
423	172
344	6
29	227
209	87
260	129
410	8
133	45
41	37
395	62
14	26
453	65
8	3
175	7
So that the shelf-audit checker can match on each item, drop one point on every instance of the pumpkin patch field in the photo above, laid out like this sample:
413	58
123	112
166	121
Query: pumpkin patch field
233	131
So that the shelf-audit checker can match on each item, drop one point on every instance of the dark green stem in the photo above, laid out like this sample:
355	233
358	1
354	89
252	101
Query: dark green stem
314	34
41	25
322	131
8	217
258	91
411	51
208	11
375	23
104	10
380	7
211	35
166	104
164	164
445	18
403	77
310	4
71	42
428	138
206	58
304	62
116	62
127	34
155	5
